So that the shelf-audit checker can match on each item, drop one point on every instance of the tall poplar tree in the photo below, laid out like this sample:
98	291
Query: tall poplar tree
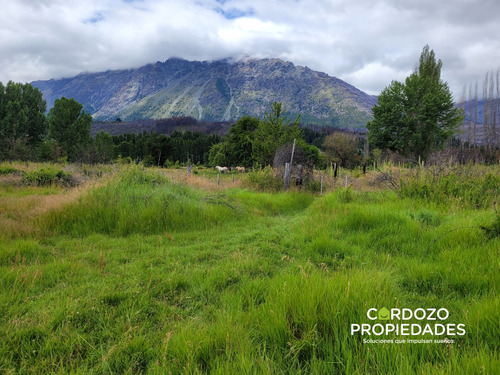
417	117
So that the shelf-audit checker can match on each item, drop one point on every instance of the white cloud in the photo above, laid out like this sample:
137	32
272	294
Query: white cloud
367	43
374	75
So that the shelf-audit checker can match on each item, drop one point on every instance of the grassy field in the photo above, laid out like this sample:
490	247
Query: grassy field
141	271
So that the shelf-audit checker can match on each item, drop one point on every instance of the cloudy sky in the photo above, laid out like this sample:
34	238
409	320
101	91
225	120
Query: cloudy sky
367	43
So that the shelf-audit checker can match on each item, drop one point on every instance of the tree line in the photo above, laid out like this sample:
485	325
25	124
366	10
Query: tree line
27	132
414	119
162	150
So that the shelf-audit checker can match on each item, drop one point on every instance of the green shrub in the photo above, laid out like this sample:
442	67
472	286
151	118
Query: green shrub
149	161
48	176
426	217
5	169
345	195
264	179
313	186
493	230
121	160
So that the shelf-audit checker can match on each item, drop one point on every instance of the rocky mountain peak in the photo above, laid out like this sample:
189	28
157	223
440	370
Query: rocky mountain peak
214	91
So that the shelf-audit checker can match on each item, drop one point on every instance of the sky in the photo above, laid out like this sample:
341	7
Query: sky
367	43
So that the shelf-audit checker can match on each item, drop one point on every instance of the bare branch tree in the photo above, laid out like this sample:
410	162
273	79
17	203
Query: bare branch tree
475	113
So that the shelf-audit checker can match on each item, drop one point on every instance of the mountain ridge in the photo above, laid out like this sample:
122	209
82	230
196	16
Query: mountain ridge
221	90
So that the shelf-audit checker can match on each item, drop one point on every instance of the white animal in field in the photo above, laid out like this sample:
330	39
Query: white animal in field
221	169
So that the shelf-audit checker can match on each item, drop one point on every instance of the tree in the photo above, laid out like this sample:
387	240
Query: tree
417	117
240	141
34	107
69	126
236	150
342	148
219	154
274	131
103	143
22	120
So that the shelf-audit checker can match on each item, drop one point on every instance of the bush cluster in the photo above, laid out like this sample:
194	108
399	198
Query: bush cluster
264	179
48	176
5	169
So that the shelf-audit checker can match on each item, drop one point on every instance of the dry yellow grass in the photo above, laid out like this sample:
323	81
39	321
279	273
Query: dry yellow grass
207	182
371	181
20	206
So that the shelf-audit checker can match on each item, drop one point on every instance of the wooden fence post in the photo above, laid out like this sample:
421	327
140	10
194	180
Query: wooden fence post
218	179
298	179
286	182
293	150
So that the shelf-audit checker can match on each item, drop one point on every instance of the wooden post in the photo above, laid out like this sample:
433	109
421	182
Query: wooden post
286	182
321	184
218	179
335	170
293	150
345	180
188	169
298	179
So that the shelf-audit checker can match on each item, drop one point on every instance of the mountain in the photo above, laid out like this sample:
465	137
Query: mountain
214	91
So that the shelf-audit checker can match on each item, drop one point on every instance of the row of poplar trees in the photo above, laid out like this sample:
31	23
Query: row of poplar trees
482	121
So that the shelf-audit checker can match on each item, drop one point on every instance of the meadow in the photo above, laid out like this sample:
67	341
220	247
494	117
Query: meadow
138	270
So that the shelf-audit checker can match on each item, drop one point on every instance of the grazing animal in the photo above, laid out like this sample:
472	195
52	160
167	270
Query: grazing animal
221	169
240	169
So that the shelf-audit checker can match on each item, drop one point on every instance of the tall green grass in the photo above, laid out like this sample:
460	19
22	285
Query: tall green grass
139	201
465	186
144	275
143	201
